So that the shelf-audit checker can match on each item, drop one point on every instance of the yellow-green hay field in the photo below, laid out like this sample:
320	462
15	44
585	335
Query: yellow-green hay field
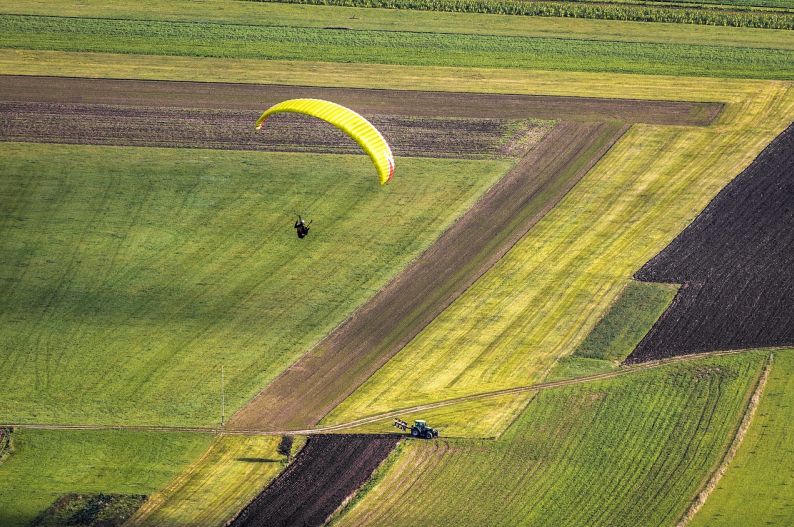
215	486
478	418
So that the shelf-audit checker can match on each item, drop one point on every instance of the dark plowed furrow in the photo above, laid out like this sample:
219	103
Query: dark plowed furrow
226	129
389	102
327	470
736	261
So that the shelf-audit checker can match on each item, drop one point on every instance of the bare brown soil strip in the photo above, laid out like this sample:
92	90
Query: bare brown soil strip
303	394
736	261
326	471
161	126
223	96
715	478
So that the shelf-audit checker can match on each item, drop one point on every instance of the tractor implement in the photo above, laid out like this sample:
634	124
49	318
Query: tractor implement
419	428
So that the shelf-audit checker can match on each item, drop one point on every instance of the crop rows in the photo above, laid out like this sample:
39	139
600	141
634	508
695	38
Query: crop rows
758	487
603	11
628	451
385	47
325	472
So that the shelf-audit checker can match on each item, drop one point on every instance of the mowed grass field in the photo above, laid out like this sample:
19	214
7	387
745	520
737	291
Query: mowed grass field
757	487
540	301
46	464
626	451
201	39
130	276
215	486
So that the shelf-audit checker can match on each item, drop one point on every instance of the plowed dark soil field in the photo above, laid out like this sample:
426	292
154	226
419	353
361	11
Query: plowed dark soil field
327	470
222	96
103	124
736	261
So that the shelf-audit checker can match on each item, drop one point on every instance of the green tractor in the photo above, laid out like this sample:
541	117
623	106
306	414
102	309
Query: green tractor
419	429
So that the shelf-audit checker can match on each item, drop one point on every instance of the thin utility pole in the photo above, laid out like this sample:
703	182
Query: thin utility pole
223	399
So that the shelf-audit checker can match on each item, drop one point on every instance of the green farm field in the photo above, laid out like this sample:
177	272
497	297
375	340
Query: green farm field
361	18
636	10
131	275
639	305
762	472
626	451
146	37
46	464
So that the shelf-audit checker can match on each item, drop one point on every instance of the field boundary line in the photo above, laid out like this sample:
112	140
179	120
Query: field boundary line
733	448
624	370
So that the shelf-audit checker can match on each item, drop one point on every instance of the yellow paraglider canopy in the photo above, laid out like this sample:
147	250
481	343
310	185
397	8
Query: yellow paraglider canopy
361	130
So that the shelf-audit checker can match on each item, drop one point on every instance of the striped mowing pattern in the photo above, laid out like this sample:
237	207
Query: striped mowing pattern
353	124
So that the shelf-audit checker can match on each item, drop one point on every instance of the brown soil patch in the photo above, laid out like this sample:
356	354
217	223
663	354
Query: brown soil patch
223	96
736	261
103	124
327	470
302	395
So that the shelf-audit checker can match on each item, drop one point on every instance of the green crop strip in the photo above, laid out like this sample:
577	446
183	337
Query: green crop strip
762	473
624	452
618	333
403	48
602	11
627	321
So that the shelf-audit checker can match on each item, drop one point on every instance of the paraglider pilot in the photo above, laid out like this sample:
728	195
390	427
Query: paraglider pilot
301	227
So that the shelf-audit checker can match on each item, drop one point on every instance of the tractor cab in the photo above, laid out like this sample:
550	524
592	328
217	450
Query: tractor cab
419	428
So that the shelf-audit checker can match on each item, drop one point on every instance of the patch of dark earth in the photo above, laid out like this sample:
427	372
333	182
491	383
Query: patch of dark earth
327	470
736	264
100	124
90	510
219	95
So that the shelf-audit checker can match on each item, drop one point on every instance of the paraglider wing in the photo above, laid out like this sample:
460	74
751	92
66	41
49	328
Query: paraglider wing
361	130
